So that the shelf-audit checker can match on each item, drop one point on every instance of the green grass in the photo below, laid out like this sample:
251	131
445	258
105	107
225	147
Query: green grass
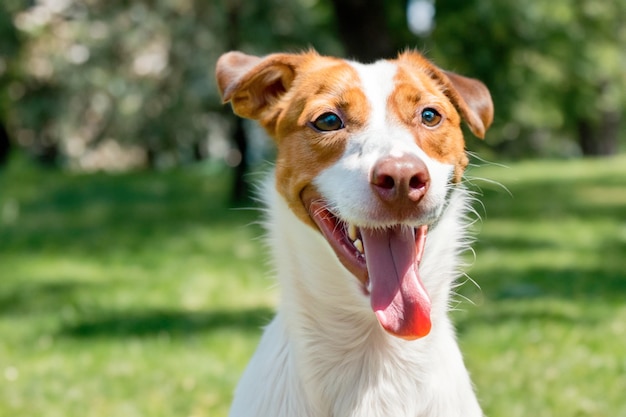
143	294
548	335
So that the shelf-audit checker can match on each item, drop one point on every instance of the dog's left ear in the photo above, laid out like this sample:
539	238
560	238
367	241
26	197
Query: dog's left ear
471	97
252	84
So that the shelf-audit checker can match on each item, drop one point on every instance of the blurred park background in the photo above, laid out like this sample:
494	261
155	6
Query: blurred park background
132	279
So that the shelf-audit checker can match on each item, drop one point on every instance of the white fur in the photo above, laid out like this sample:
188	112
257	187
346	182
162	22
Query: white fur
325	354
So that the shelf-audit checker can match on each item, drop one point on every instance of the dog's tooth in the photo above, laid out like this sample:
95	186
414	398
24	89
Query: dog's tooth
358	245
368	286
352	233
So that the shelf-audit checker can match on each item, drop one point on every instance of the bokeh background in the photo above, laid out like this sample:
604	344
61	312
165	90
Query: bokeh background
132	279
112	84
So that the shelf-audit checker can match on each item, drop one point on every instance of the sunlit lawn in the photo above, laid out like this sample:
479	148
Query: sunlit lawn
144	294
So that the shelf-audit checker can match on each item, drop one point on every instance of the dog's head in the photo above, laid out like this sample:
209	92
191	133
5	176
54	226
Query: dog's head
367	155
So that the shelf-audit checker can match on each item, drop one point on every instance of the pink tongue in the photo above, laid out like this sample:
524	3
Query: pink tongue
398	296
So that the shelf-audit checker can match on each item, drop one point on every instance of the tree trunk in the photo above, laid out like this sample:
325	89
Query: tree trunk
197	153
46	149
5	144
240	185
151	157
600	139
240	190
363	29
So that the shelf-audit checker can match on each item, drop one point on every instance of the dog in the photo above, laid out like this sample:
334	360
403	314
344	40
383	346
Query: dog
366	218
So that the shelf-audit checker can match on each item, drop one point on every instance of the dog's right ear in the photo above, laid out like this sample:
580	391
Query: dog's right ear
252	84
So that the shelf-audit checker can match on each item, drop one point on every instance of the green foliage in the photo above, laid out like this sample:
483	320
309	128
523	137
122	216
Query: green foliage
144	294
134	80
141	73
9	50
550	65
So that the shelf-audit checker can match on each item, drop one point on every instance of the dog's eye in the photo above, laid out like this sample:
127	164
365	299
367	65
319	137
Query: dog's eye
430	117
327	122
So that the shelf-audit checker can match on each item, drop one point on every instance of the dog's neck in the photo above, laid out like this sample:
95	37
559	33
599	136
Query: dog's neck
329	323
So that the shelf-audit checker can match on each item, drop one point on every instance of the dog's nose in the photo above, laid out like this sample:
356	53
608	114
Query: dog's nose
398	180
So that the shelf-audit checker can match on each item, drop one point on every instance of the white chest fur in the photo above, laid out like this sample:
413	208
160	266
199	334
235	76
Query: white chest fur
326	355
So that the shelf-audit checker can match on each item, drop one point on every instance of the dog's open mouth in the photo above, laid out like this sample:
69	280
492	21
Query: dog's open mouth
386	261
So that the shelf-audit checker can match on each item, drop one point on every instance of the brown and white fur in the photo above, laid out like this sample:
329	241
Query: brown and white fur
366	219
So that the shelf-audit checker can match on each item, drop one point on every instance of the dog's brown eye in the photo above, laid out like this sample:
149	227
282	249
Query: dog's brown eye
430	117
327	122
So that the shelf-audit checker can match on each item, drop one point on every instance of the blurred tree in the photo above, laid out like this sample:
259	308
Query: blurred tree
135	78
556	69
104	84
9	49
366	38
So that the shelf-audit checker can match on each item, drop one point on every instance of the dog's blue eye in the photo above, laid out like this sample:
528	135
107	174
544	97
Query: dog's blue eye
430	117
327	122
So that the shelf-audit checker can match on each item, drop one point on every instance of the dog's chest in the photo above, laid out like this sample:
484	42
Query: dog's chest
374	378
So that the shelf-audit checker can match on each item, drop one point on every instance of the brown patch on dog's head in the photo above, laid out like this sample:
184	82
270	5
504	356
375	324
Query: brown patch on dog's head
468	96
286	93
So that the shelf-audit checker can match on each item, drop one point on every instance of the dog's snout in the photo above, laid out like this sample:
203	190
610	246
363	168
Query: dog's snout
400	180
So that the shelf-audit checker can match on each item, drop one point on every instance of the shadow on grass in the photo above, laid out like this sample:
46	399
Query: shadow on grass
580	204
95	213
606	283
174	323
30	297
528	313
595	198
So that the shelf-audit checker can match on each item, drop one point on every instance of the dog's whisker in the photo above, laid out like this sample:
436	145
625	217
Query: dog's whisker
472	181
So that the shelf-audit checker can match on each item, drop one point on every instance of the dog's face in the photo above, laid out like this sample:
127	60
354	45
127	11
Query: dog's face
367	155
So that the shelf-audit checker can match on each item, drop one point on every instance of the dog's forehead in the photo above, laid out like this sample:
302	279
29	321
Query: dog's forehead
377	83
